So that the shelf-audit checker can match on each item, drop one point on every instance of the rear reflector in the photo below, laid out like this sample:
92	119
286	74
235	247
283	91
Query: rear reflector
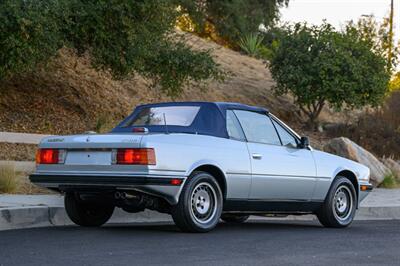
176	181
142	156
50	156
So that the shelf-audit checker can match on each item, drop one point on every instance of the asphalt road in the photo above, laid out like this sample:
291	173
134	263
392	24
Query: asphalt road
253	243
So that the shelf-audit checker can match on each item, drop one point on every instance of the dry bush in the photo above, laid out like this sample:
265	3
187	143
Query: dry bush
14	182
393	166
8	178
378	132
28	188
391	110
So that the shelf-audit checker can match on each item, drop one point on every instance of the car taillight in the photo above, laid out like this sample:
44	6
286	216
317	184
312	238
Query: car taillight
50	156
142	156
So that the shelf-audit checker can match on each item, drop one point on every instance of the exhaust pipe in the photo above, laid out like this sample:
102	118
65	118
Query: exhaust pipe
124	195
117	195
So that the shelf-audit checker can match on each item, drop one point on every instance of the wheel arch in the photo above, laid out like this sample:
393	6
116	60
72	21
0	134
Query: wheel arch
216	172
353	179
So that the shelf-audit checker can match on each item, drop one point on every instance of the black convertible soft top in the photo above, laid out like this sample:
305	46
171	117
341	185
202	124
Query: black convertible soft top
210	119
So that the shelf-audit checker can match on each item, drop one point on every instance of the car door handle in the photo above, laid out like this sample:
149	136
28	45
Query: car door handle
256	156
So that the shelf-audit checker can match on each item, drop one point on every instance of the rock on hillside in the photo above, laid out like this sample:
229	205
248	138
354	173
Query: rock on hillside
350	150
393	166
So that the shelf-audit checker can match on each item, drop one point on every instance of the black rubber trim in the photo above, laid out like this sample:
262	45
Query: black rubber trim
267	206
100	180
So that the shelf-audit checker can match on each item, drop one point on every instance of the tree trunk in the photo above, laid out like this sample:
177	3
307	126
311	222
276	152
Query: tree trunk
312	112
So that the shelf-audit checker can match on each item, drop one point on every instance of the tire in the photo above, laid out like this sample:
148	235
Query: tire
89	214
200	204
339	207
234	218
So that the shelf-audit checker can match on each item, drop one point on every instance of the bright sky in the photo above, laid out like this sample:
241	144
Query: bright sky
337	12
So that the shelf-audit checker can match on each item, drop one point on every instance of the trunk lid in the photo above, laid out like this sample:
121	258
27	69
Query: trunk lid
91	149
92	141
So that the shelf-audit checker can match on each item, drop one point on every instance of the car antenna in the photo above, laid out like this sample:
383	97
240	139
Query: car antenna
165	124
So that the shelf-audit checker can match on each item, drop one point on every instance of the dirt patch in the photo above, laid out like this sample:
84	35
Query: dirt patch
27	188
17	152
16	182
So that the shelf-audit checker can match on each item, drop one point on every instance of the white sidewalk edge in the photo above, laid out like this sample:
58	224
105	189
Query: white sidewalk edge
25	138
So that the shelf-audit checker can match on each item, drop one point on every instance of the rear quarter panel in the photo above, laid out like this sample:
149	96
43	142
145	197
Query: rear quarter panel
183	153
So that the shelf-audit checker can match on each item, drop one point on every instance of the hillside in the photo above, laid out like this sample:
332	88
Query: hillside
69	96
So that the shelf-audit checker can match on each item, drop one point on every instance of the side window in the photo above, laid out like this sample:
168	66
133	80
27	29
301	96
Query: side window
286	138
258	127
233	127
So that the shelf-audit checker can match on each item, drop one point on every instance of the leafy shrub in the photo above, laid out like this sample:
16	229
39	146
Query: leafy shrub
8	178
389	181
251	44
370	29
320	66
265	53
173	66
30	33
232	19
123	37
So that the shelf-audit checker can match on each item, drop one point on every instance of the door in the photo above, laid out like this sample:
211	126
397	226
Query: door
238	169
280	170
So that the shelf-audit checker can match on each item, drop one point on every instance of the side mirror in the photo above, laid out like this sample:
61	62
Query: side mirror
304	142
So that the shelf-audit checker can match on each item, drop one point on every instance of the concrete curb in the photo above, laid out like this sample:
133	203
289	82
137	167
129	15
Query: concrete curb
24	217
379	213
44	216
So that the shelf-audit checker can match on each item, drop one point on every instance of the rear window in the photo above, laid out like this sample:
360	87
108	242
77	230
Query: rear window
174	116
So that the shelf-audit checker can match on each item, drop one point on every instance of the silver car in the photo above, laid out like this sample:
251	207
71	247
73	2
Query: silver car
200	162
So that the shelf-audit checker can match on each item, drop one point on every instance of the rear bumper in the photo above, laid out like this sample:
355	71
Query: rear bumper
108	180
155	185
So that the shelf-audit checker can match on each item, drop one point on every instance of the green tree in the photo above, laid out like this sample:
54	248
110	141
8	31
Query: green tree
29	34
368	29
122	36
235	18
320	66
